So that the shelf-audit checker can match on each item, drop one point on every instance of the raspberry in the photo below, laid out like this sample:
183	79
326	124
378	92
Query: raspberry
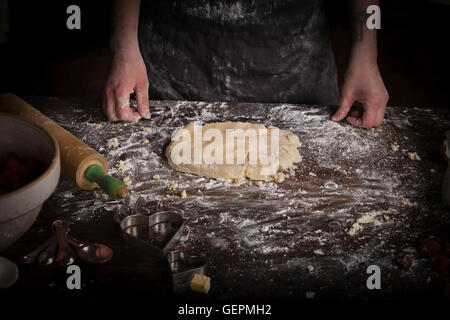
429	248
404	261
31	163
16	172
441	263
22	170
11	162
12	182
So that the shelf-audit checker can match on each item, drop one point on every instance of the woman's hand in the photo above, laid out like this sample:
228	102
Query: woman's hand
128	74
362	84
362	81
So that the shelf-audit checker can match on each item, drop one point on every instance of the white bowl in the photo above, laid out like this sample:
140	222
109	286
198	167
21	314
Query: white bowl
20	208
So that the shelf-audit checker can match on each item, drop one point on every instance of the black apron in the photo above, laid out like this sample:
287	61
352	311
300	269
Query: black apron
251	51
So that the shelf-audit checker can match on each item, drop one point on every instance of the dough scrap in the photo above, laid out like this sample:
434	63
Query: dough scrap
112	143
288	153
172	186
367	218
124	166
127	181
279	177
413	156
406	202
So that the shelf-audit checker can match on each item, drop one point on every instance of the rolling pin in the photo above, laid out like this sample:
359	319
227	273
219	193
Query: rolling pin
79	163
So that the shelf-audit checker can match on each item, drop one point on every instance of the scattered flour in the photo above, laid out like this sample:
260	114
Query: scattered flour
251	228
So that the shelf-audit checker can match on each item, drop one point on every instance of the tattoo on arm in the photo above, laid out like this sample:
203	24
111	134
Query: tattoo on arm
359	19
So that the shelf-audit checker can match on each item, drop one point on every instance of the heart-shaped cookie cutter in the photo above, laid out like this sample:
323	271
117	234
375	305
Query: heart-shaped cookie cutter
183	266
156	233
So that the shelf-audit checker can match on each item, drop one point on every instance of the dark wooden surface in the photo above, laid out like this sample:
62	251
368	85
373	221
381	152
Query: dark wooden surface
239	268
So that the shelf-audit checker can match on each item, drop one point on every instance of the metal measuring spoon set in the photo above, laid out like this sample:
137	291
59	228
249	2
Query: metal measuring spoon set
63	249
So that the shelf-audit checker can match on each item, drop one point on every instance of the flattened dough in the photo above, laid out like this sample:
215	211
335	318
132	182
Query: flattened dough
288	153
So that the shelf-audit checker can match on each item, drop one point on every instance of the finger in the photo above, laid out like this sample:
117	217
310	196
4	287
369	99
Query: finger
373	115
108	105
122	106
356	112
380	116
344	108
123	109
142	100
134	115
369	118
357	122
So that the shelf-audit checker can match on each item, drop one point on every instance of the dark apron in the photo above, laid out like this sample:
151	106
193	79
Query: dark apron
252	51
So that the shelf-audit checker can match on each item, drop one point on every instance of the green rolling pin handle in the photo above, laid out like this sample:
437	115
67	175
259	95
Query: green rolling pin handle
112	186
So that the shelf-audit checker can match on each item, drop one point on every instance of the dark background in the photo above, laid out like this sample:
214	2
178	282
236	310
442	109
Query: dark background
43	57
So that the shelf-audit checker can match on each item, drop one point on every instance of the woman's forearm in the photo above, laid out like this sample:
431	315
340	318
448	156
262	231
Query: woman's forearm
364	40
125	17
128	73
362	82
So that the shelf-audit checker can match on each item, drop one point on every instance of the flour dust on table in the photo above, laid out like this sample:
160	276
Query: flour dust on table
352	202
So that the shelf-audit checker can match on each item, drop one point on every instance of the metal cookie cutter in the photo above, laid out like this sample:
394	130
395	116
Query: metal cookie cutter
183	267
156	233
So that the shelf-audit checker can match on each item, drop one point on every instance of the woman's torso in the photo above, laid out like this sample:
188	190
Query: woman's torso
254	51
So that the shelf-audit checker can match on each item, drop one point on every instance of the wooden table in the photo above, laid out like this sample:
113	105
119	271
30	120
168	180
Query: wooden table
258	241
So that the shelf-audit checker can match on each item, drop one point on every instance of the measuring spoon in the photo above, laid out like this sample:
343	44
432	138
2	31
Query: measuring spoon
91	252
65	255
47	257
29	258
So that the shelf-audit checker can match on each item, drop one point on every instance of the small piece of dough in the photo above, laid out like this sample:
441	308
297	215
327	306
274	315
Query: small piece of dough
288	154
127	181
172	186
156	177
145	141
279	177
406	202
123	166
183	194
112	143
364	219
354	229
147	129
201	283
394	147
413	156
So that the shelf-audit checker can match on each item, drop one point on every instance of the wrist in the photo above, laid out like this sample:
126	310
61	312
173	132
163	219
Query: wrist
361	55
120	45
